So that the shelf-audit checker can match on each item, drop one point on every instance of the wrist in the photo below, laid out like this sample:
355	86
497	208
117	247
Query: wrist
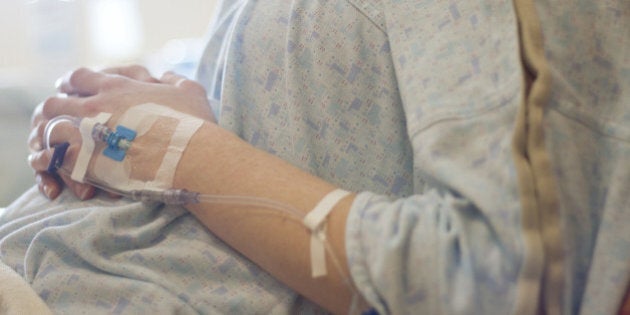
204	163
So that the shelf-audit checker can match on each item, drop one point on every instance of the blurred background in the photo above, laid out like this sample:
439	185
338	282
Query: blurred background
40	40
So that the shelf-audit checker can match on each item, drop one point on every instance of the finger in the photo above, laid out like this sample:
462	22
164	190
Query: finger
62	131
48	185
35	138
65	133
86	82
135	72
81	190
37	115
52	107
40	161
38	123
81	81
46	182
182	82
173	78
57	105
625	308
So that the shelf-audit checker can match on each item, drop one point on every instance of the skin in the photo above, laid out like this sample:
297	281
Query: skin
237	168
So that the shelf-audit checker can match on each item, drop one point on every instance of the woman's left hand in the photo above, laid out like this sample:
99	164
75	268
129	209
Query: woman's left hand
89	93
104	92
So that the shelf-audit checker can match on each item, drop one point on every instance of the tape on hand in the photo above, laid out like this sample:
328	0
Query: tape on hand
119	175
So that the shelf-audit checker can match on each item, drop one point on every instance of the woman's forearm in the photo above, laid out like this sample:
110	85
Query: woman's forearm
218	162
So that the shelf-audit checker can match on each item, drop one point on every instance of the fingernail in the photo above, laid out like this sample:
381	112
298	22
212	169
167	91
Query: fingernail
50	191
58	82
32	157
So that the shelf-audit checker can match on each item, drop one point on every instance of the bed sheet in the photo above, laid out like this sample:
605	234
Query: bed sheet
116	256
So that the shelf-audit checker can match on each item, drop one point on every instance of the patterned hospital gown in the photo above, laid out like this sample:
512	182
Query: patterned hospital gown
413	104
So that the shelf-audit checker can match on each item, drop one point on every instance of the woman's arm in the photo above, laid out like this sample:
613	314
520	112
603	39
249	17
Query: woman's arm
217	162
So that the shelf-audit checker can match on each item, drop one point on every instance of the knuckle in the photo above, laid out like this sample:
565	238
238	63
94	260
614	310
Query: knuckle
33	141
49	106
37	115
77	75
41	127
38	160
137	69
113	82
192	86
36	139
92	106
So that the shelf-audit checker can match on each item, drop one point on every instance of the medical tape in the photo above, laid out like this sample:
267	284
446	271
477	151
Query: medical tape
87	145
315	221
141	118
184	131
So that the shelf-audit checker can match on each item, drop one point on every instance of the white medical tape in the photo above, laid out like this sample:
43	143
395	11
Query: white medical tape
87	145
185	129
141	118
315	221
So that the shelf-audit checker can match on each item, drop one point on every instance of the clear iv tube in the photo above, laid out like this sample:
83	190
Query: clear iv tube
184	197
251	201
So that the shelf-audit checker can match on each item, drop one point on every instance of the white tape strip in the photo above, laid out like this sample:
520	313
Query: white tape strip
185	129
315	221
87	145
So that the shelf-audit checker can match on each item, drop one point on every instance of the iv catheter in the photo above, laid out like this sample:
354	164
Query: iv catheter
99	133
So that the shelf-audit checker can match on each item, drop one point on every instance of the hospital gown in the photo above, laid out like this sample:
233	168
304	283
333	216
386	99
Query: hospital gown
412	104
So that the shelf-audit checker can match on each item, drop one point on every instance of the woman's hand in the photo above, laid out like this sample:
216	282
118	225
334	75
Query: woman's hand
48	184
87	93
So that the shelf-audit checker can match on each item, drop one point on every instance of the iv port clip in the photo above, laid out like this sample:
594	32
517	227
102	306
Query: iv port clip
118	143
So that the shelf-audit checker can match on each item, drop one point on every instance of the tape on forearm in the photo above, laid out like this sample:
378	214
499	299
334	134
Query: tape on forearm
315	221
